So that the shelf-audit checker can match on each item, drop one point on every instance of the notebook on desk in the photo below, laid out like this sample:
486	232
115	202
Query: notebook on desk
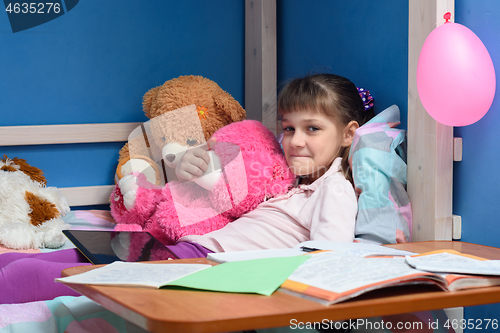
105	247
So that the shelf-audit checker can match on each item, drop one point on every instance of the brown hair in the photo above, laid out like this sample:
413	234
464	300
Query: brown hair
330	94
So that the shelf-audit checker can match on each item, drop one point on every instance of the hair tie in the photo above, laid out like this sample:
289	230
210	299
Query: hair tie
366	98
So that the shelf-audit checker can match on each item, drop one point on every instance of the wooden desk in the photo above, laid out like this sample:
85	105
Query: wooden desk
200	311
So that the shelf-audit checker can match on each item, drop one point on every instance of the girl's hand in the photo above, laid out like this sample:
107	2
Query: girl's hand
194	162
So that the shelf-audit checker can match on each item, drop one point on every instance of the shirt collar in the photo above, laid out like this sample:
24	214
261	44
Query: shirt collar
335	167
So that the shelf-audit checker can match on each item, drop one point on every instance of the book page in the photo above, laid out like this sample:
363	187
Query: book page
458	281
454	263
255	254
355	249
340	273
134	274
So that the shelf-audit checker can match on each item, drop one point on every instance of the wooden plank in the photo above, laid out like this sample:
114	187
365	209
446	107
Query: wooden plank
261	62
430	144
253	59
87	195
457	227
457	149
62	134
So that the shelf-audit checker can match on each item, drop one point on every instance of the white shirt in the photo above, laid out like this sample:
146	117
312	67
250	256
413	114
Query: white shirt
323	210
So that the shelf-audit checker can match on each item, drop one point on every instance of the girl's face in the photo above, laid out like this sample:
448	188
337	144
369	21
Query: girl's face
312	141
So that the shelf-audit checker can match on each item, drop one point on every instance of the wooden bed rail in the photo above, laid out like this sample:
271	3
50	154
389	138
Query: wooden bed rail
62	134
71	134
430	144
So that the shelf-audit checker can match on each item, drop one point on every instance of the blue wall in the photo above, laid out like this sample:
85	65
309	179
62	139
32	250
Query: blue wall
477	177
364	40
94	64
476	189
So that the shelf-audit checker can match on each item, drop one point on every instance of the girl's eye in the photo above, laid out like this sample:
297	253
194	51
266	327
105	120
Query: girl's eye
312	129
288	129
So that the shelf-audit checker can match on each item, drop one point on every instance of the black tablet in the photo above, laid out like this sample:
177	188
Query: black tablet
104	247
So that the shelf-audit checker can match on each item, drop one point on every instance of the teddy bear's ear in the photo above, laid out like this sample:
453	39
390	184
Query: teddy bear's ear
124	152
147	101
226	103
33	172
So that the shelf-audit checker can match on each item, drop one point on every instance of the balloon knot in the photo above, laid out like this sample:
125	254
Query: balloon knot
447	17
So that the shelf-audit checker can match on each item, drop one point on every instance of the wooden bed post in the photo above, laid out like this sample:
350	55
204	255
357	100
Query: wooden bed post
430	144
261	62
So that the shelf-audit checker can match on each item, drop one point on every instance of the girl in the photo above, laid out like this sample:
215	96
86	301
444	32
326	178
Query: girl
320	114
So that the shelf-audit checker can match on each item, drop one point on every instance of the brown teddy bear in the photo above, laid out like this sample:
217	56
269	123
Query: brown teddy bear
246	163
214	107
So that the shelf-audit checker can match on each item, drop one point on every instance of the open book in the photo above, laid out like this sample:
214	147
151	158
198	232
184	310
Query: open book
329	277
261	276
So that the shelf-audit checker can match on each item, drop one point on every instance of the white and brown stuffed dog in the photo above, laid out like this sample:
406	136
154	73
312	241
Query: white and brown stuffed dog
30	212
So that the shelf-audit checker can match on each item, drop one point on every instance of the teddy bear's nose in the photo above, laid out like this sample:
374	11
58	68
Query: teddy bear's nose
170	157
191	142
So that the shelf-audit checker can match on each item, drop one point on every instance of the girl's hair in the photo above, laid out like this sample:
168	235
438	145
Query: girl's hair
331	95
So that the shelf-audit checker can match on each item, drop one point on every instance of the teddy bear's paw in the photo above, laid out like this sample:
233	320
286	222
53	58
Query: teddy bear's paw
128	183
129	200
128	187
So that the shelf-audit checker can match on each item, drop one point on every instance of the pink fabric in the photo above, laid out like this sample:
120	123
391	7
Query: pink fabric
19	313
94	216
374	128
323	210
5	250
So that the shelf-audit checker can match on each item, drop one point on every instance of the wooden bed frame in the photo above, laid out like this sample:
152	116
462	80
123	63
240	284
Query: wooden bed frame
70	134
430	144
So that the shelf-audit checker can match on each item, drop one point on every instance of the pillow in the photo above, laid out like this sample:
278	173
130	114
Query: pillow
378	163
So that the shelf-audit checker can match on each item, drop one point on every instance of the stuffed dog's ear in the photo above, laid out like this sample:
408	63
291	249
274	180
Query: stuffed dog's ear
147	101
226	103
6	165
33	172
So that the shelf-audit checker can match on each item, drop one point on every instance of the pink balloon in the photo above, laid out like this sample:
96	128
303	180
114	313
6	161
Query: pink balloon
455	76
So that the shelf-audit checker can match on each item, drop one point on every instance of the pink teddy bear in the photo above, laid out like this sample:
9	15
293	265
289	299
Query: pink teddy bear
253	170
